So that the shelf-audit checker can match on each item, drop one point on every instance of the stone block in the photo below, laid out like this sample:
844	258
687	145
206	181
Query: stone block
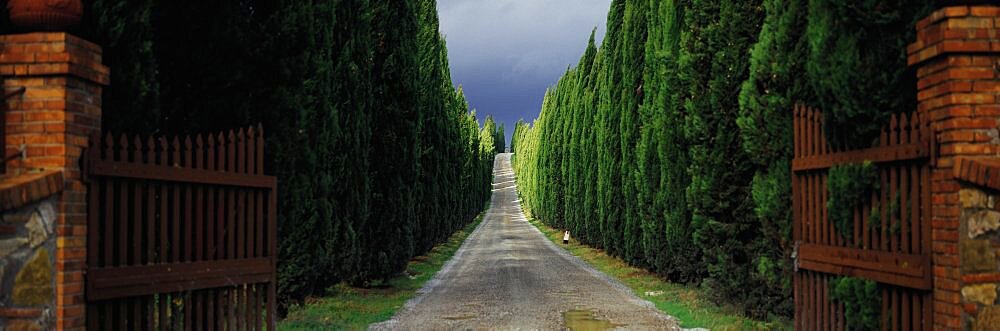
974	198
40	226
977	256
10	245
984	294
982	221
33	284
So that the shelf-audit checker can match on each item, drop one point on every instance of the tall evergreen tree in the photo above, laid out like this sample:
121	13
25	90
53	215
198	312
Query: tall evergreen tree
631	63
766	101
609	178
389	233
713	59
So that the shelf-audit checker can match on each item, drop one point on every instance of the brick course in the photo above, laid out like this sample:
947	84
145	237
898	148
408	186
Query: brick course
53	118
956	57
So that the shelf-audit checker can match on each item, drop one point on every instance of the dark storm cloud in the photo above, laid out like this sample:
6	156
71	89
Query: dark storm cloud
505	53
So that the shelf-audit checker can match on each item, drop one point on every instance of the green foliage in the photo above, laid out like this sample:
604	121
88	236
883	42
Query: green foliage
377	154
847	188
713	60
862	300
631	62
857	64
670	145
765	122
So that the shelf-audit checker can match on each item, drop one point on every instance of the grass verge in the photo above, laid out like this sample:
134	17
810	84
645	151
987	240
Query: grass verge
686	303
353	308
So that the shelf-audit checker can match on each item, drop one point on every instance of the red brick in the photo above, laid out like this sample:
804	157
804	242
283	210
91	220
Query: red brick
943	321
970	308
985	11
55	150
969	34
987	110
45	115
986	86
968	22
72	324
945	272
946	260
957	72
947	296
74	310
69	287
955	11
945	248
945	235
950	86
993	277
14	312
71	253
947	308
67	265
948	284
963	46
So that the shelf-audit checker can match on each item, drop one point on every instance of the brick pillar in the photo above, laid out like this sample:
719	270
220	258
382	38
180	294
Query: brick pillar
957	58
59	109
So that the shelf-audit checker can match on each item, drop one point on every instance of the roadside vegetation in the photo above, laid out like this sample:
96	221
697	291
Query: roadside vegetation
669	144
686	303
378	155
354	308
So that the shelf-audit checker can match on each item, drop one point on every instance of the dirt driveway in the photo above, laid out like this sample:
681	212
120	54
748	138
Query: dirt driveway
507	275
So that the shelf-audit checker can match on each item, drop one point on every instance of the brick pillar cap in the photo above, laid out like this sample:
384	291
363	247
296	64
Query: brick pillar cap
51	53
956	29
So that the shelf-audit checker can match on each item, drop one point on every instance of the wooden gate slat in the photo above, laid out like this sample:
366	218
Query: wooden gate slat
902	153
176	204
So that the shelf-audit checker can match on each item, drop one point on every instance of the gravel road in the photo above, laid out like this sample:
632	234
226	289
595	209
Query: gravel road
508	276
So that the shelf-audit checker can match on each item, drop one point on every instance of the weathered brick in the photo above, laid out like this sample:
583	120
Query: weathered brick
20	312
985	11
968	22
991	277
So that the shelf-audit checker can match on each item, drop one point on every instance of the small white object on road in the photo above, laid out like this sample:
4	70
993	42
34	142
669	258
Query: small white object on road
566	237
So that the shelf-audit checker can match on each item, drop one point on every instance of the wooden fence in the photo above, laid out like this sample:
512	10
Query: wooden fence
182	233
895	251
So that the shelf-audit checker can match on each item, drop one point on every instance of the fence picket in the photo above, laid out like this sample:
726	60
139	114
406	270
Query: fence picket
888	226
139	222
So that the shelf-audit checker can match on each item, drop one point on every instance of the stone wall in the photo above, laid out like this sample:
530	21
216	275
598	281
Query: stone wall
27	282
980	256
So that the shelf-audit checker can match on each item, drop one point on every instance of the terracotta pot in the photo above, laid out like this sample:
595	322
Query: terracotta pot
45	15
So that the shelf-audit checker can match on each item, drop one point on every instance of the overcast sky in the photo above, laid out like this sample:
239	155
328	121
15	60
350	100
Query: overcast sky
506	52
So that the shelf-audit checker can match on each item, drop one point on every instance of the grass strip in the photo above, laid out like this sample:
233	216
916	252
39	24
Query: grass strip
354	308
686	303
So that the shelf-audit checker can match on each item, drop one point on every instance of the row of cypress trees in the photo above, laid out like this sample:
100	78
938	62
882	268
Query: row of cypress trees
670	145
377	154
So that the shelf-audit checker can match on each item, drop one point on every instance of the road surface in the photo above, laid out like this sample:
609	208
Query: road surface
507	275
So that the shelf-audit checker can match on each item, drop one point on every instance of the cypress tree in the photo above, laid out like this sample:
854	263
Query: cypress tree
765	121
857	64
125	29
389	232
713	58
581	208
632	60
609	178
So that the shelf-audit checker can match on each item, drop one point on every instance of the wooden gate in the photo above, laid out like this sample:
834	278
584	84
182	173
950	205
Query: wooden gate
895	251
182	233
